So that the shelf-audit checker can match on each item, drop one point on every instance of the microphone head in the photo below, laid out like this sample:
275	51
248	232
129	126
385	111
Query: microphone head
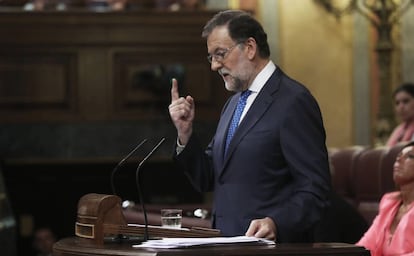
151	152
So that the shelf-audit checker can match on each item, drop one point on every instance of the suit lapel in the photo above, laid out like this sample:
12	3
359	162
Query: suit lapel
262	102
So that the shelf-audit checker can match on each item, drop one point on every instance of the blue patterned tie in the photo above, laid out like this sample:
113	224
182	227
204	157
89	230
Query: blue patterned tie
236	117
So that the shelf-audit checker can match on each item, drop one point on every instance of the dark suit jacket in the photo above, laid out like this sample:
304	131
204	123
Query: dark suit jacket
276	165
341	223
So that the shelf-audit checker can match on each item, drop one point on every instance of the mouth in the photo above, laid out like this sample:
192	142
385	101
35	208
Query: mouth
224	75
396	170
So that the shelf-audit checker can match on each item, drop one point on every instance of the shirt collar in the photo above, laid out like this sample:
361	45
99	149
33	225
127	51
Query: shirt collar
262	77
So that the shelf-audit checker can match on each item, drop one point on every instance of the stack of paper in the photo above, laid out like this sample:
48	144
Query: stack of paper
188	242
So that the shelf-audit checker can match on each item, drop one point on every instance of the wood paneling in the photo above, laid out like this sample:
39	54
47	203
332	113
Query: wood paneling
37	80
83	66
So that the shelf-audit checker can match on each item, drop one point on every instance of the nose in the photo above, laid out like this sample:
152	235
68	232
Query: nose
215	65
399	107
400	158
396	165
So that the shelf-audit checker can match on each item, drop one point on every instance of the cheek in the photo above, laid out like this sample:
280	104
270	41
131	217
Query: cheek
410	108
244	70
408	170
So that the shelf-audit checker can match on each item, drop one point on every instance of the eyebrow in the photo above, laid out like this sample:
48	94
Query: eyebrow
220	49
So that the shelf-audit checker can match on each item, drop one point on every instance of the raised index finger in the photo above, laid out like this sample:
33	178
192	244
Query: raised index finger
174	90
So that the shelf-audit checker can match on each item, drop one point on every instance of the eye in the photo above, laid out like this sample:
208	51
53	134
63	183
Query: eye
220	54
411	156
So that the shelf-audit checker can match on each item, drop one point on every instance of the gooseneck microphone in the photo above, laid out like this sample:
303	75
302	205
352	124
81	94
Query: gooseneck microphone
141	197
122	163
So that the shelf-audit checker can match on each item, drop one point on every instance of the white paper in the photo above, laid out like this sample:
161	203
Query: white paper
187	242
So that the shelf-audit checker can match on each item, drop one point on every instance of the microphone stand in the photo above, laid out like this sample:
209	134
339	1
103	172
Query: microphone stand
141	198
122	163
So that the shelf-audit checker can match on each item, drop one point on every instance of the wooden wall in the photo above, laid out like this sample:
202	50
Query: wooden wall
65	66
78	90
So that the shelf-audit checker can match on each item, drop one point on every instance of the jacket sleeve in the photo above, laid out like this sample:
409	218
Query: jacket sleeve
369	239
374	237
196	164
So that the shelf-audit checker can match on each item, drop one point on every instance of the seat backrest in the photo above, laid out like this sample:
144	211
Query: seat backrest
368	182
342	162
387	167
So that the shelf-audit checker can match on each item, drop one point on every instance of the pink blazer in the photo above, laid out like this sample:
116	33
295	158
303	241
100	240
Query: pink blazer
402	133
377	238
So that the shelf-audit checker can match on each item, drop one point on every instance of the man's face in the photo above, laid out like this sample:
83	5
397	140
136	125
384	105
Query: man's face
229	59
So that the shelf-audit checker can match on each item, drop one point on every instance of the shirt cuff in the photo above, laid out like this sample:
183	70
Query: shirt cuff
179	147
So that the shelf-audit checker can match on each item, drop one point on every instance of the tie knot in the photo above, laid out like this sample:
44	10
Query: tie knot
244	95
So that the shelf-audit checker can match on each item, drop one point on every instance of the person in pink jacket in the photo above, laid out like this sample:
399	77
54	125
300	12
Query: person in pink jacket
404	109
392	231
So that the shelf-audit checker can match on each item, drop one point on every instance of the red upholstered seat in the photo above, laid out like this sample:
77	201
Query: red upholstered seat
368	182
387	167
342	162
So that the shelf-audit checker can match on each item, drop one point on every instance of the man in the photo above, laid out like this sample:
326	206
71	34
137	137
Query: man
272	178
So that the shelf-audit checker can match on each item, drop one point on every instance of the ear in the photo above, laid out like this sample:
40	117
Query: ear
251	47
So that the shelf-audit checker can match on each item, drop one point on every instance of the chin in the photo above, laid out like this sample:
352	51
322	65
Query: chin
229	87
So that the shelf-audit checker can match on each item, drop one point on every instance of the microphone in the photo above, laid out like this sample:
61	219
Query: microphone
122	163
141	198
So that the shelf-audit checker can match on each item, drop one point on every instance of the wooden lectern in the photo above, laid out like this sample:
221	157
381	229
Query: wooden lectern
100	216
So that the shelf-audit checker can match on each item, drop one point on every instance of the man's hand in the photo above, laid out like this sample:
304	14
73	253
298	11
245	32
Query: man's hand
182	113
262	228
